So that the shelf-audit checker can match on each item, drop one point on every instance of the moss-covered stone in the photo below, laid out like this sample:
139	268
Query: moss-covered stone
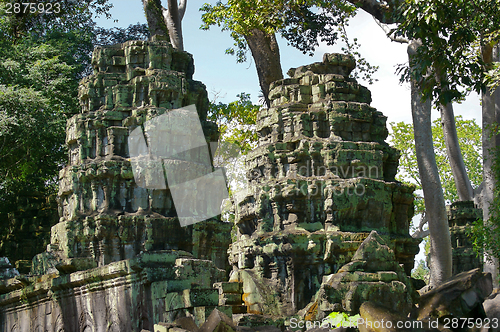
118	251
461	216
321	178
373	274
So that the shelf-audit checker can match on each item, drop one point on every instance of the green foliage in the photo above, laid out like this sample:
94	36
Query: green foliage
70	16
236	121
32	150
38	84
492	76
469	137
119	35
301	22
364	70
421	272
341	319
451	32
42	59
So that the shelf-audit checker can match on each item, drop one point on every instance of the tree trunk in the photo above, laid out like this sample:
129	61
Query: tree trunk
154	17
462	181
441	264
173	17
490	110
265	52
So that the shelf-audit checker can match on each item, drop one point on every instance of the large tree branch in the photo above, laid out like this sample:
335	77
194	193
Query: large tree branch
382	10
462	181
182	8
154	17
265	52
390	34
441	262
420	233
173	19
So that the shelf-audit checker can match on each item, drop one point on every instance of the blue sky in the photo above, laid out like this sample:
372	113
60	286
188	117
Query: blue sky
222	75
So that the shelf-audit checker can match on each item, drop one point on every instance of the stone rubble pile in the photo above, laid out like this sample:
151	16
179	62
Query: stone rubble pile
372	275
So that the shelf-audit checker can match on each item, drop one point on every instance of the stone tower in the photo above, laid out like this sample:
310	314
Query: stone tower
321	178
118	259
105	215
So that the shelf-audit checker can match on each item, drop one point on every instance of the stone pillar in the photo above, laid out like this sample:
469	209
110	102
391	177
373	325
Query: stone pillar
461	215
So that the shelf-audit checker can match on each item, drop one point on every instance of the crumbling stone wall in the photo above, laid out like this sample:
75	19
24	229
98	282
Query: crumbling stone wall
321	178
128	295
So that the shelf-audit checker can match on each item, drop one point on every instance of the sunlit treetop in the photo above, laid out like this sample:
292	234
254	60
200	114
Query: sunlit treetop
452	33
301	22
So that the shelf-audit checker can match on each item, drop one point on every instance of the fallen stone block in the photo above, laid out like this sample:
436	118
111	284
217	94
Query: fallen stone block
492	307
377	318
201	314
187	323
460	296
190	298
218	322
372	275
163	327
177	329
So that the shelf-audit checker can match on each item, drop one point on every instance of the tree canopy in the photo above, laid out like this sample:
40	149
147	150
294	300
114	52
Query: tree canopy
469	136
453	33
298	22
42	59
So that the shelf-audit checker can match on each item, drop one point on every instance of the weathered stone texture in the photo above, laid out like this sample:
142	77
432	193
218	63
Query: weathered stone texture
118	260
319	181
460	296
461	216
6	269
105	214
373	275
122	296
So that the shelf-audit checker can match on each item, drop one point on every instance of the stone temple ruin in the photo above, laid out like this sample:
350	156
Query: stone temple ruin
320	180
323	225
118	259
